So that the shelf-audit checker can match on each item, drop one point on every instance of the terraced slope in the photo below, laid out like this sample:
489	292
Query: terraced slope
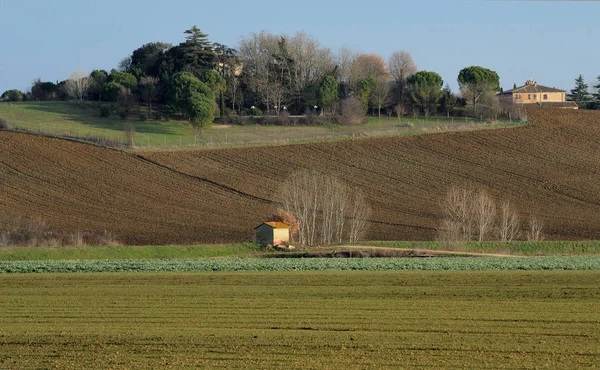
550	169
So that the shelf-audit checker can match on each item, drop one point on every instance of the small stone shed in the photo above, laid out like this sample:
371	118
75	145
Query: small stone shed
273	233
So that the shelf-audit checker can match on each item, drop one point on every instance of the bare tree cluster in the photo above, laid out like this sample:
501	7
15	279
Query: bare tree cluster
327	209
471	214
77	85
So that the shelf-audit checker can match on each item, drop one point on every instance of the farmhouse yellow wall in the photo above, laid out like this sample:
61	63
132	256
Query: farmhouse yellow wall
267	235
528	98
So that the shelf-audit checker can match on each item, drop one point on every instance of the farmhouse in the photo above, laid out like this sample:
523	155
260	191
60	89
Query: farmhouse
273	233
532	93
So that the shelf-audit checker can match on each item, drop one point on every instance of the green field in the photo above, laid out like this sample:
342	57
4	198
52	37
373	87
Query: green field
301	320
83	122
127	252
519	248
307	264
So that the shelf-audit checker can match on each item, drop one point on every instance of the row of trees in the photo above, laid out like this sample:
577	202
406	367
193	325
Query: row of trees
272	73
474	215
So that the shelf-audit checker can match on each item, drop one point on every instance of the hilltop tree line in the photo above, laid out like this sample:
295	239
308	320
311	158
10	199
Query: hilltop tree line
274	75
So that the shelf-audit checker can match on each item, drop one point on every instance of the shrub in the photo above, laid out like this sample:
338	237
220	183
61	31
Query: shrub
254	112
143	116
157	115
104	111
4	124
123	114
352	111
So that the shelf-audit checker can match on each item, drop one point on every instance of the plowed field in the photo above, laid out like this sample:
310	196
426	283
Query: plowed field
550	169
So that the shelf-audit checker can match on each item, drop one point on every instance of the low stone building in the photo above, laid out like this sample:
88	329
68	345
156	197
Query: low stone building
272	233
532	93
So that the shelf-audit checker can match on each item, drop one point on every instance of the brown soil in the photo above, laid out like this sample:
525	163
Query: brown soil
550	169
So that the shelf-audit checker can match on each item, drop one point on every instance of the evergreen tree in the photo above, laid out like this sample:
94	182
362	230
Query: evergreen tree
597	94
580	93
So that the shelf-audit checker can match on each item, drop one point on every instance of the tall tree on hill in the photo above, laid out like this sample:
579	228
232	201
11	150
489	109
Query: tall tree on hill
193	98
148	90
77	85
401	67
425	90
145	59
98	84
475	81
380	96
597	94
580	93
328	93
448	100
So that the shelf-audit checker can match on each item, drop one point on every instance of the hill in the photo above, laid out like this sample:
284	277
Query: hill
81	121
548	169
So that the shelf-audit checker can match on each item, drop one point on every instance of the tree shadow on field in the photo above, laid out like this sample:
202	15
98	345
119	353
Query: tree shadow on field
88	115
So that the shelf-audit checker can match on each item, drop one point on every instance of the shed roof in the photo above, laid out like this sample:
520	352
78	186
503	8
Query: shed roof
275	225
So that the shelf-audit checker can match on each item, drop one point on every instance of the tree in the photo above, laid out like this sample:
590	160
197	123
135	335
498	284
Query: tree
474	81
509	228
12	96
580	93
484	213
364	90
381	93
145	59
77	85
328	93
112	90
123	78
448	100
148	90
193	98
327	209
597	87
425	90
98	79
43	90
401	67
365	66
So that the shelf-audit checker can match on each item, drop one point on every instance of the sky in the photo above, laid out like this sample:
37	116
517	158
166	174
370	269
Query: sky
550	41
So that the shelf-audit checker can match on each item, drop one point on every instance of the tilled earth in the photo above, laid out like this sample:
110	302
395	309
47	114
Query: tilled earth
549	169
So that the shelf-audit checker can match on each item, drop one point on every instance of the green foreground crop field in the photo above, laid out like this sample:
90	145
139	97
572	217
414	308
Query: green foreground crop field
71	120
301	320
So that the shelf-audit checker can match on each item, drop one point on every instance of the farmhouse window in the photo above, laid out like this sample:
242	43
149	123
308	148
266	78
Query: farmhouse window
545	96
531	96
518	96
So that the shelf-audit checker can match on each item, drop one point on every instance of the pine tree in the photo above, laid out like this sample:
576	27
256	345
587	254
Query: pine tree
597	87
514	85
580	93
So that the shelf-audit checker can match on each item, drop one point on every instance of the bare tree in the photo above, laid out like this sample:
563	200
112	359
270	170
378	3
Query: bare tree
484	213
401	66
328	210
257	53
509	227
148	88
381	93
535	229
77	85
364	66
458	211
359	214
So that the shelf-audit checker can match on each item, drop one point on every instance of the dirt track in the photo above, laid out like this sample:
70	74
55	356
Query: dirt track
550	169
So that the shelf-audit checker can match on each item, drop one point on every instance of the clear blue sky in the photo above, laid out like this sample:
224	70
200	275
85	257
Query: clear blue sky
551	41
